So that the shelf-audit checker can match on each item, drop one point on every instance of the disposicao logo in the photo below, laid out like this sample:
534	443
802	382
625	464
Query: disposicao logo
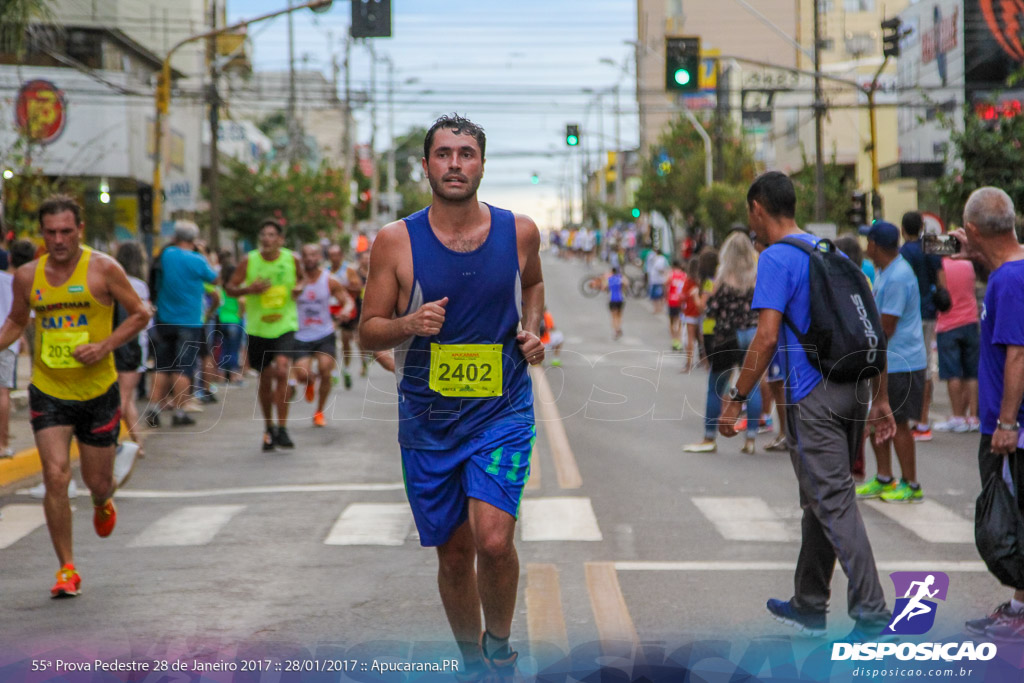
914	614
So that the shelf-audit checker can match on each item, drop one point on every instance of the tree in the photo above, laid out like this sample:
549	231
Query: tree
838	187
20	20
672	178
304	199
721	206
987	151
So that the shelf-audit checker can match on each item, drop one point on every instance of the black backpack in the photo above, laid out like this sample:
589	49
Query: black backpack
844	341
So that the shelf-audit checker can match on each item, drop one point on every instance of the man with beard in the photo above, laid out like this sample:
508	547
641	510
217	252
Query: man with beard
315	339
448	288
73	291
270	279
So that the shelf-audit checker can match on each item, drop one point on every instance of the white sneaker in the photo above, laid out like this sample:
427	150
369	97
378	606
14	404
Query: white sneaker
954	424
39	490
973	424
7	452
124	461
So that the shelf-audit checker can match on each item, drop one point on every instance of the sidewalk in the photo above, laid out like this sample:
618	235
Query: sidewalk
25	462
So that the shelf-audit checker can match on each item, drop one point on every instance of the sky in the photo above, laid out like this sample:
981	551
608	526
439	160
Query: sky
522	70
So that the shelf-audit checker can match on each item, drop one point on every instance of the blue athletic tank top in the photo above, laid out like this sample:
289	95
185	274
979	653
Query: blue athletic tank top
484	293
615	288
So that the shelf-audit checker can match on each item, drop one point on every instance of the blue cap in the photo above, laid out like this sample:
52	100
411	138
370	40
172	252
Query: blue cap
885	235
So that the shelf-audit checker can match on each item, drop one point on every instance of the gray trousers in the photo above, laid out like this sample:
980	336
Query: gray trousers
825	429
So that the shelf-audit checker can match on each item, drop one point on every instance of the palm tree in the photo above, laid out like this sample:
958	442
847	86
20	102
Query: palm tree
19	19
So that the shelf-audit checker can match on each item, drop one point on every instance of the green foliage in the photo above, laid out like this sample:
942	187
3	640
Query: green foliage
17	18
28	187
408	153
722	205
983	153
672	176
305	199
838	188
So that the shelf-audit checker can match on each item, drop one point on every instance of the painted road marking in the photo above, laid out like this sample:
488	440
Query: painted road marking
929	520
611	615
254	490
559	519
372	524
745	519
18	522
712	566
566	470
545	621
189	525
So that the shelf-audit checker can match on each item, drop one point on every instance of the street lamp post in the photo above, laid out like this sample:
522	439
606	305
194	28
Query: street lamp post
163	92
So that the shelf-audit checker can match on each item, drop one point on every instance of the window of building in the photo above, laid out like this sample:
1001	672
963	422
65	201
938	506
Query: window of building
859	5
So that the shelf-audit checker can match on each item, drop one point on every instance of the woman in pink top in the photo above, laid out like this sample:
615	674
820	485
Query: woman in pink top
957	338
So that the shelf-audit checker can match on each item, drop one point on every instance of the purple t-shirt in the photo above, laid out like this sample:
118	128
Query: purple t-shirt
1002	325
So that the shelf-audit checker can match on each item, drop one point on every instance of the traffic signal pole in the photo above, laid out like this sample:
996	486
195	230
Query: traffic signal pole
876	198
163	94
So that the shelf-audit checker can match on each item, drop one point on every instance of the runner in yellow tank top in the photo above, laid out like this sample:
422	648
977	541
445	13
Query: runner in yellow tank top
72	290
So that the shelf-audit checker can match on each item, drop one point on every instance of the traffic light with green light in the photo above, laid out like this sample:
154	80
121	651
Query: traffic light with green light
572	134
635	212
535	178
682	64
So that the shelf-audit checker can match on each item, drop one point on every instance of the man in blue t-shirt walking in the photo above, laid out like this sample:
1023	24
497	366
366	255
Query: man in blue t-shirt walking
899	303
825	424
989	240
178	330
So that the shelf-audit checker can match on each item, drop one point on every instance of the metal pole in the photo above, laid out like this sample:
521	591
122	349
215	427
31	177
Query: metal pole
620	176
292	147
708	177
392	181
602	166
214	180
876	198
375	180
819	114
347	136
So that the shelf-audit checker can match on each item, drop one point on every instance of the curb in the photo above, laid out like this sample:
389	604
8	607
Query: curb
25	464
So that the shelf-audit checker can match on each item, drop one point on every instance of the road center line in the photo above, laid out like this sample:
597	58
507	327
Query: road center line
611	615
566	470
545	622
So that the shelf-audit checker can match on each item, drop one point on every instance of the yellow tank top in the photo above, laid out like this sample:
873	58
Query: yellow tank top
67	317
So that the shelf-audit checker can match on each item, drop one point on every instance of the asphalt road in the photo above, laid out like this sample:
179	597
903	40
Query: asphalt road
224	554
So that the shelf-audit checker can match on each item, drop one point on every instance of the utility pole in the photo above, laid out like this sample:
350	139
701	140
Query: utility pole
819	114
292	154
375	179
214	180
392	181
620	166
347	136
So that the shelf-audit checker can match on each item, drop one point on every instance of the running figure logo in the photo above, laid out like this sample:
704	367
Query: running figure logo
914	613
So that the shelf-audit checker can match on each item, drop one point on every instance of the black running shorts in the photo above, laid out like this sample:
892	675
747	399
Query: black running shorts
97	421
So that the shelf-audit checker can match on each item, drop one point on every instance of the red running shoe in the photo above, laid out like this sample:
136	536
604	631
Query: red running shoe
104	517
68	584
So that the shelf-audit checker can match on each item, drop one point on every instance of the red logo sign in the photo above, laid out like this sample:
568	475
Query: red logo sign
1004	19
40	112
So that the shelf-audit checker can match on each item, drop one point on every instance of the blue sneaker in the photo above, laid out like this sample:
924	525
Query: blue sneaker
810	623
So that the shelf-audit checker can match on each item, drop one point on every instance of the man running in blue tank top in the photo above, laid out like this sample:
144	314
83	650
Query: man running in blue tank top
448	289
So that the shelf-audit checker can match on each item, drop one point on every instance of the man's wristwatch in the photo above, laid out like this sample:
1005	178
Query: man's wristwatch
735	395
1007	427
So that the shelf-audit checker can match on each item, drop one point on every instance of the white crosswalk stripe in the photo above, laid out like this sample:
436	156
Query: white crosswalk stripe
558	519
19	521
189	525
745	519
929	520
751	519
372	524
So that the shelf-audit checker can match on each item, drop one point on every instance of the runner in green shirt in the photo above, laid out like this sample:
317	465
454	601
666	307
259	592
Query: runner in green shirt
270	278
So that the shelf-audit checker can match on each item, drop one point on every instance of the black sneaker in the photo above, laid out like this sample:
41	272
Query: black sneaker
282	439
502	668
811	623
152	418
182	420
979	626
269	437
207	397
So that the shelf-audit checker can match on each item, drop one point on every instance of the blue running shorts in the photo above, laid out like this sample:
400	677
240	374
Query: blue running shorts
492	466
